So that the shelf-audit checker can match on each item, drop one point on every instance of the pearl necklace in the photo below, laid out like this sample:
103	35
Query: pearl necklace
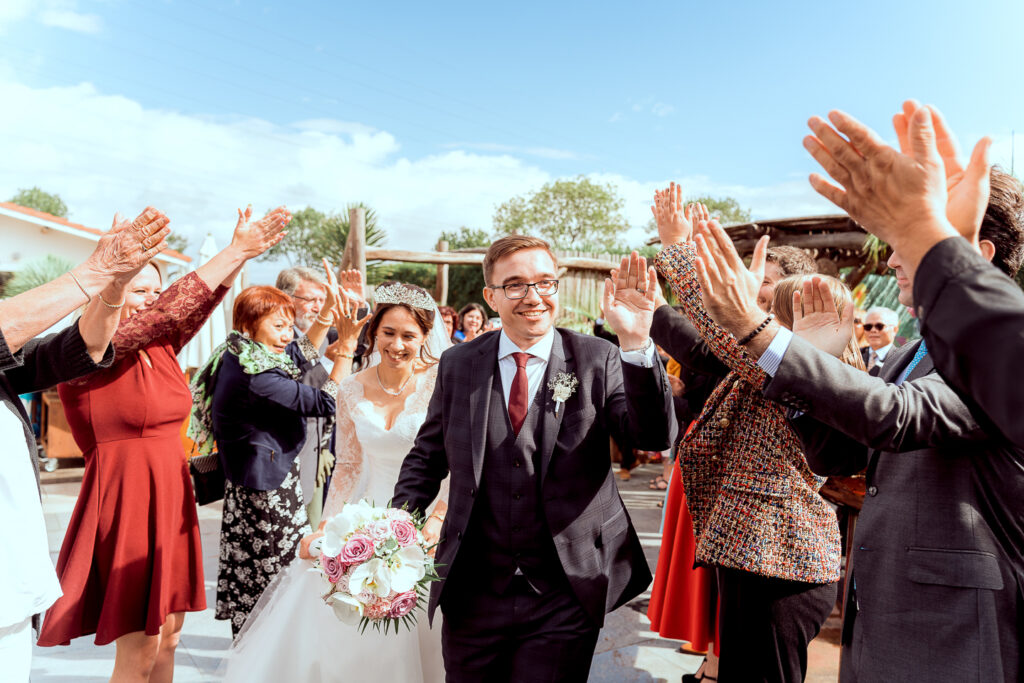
389	392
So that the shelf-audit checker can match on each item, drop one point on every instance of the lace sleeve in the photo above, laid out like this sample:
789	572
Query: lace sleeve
176	316
349	479
675	263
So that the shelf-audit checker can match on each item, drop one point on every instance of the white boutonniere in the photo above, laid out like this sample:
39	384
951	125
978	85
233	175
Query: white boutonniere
562	387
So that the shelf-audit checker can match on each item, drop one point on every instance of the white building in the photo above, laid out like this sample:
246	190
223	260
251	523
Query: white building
27	235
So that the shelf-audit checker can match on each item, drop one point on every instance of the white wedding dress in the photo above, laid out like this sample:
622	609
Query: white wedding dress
292	634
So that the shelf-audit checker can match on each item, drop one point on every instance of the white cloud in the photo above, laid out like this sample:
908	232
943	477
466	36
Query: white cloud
56	13
662	109
104	153
72	21
543	152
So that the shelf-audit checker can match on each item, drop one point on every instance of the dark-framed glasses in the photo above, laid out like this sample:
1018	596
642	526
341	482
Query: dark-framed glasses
874	326
518	290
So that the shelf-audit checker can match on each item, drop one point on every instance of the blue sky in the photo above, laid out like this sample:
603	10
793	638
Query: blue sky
435	112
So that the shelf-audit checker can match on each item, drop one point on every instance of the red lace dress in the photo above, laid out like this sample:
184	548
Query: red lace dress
131	554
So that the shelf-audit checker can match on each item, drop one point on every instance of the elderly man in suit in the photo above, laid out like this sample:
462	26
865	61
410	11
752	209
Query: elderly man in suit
937	589
880	327
537	545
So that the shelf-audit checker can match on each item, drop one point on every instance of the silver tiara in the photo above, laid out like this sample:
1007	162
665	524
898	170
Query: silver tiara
400	294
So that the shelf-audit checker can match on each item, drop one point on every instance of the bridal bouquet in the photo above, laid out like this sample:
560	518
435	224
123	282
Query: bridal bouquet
377	564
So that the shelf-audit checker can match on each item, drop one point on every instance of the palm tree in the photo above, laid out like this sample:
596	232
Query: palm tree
35	273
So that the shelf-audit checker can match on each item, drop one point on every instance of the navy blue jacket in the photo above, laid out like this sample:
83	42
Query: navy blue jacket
259	421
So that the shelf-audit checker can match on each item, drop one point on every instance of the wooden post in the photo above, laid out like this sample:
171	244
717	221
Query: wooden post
355	246
441	289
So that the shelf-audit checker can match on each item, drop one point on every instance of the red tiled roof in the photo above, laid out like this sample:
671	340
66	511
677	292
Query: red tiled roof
77	226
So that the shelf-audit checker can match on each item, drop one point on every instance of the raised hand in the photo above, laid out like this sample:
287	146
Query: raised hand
901	198
352	282
963	184
128	246
816	319
674	222
253	238
728	288
629	301
346	322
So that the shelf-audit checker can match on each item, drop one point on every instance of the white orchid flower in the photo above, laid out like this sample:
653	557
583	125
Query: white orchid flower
372	576
336	532
408	568
346	608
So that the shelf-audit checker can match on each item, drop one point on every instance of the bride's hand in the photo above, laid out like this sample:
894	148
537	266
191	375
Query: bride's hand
308	540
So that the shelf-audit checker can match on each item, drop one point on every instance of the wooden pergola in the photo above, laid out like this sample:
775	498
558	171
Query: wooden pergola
835	241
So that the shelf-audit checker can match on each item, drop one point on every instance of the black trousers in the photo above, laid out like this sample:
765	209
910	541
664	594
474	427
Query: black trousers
765	625
520	635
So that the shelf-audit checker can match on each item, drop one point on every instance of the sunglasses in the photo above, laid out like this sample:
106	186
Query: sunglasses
874	326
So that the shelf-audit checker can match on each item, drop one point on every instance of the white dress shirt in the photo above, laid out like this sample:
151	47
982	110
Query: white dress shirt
537	364
29	582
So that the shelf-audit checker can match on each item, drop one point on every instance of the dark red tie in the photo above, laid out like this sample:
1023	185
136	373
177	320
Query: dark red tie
518	396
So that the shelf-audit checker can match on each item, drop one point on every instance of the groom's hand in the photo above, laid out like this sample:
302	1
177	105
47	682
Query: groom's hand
629	301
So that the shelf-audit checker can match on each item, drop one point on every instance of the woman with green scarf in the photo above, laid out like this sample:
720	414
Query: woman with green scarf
250	398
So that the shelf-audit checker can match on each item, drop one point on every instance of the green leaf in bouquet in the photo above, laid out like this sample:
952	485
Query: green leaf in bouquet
391	545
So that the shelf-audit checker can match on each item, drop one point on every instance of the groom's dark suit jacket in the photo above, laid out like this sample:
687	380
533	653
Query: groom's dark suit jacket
939	545
591	531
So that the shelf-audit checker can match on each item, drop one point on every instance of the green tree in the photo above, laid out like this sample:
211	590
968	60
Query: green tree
178	243
46	202
466	283
574	213
726	209
37	272
313	235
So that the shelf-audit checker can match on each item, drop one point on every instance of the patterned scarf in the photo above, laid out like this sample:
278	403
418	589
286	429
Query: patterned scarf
254	358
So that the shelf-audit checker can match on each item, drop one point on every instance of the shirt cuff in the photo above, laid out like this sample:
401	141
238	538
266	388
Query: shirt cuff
642	357
771	359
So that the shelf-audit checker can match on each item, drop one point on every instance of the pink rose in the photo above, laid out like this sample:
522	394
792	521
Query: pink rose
379	609
405	532
402	604
358	550
379	531
333	567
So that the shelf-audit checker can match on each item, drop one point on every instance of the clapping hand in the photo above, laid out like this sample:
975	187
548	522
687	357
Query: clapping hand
629	301
964	185
675	223
728	288
900	197
130	245
253	238
344	306
816	319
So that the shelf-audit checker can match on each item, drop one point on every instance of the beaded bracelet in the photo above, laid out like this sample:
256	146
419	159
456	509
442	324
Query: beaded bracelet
110	305
324	322
757	330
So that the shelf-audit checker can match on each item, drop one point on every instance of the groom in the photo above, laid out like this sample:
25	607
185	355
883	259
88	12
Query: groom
537	546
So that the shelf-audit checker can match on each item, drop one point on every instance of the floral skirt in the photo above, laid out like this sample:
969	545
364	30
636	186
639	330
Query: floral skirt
259	536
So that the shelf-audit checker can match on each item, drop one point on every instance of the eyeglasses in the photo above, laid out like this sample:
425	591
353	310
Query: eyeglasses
519	290
874	326
307	299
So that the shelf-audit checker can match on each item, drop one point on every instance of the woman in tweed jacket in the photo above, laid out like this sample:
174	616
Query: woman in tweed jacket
757	514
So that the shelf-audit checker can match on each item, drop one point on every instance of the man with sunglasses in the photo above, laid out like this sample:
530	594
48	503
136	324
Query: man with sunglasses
537	546
880	327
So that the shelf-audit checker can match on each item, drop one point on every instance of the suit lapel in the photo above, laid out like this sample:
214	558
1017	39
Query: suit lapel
485	365
550	423
896	362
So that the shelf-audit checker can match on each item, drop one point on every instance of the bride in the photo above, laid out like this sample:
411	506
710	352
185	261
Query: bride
292	634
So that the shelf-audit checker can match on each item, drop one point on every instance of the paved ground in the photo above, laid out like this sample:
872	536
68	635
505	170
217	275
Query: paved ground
626	651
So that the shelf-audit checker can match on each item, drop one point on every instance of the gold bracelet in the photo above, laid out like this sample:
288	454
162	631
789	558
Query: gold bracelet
109	305
77	282
322	321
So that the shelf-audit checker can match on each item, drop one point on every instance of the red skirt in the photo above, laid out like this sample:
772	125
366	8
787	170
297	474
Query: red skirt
684	599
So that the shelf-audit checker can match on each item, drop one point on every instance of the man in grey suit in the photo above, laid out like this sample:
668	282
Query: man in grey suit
937	590
537	545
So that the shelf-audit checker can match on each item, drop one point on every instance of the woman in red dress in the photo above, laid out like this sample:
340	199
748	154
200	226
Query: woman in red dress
131	562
